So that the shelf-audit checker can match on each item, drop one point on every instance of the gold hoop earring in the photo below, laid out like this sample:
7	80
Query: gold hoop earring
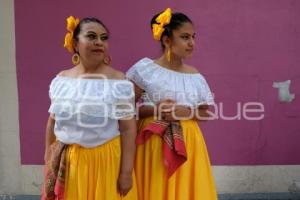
107	60
169	55
75	59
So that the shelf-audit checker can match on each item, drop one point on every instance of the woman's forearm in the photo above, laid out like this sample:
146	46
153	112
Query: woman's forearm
201	114
146	111
184	112
181	112
50	137
128	147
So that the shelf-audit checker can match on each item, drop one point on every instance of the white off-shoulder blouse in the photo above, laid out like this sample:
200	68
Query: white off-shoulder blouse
161	83
87	111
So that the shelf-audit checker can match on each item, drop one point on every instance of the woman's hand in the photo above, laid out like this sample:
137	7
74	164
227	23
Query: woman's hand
165	105
164	108
178	112
124	183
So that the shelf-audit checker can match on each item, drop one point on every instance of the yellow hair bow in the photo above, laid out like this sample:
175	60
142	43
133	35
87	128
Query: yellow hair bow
163	19
71	25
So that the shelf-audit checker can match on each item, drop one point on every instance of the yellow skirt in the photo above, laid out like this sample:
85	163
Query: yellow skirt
92	173
192	181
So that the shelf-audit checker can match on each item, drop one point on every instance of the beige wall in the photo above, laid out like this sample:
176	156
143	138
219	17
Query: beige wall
9	130
17	179
14	179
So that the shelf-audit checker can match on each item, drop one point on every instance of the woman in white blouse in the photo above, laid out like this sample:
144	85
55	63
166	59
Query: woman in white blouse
91	122
172	160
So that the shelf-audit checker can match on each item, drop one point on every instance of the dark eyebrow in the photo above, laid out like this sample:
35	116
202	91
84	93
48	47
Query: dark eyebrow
96	34
91	32
185	34
188	34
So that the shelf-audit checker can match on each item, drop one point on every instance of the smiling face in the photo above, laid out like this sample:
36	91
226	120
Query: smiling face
92	43
182	41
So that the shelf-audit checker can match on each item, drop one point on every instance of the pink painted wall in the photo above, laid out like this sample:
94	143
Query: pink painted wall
242	47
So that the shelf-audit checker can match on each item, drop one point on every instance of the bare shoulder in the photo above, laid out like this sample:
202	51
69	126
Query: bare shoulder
62	73
68	72
191	69
116	74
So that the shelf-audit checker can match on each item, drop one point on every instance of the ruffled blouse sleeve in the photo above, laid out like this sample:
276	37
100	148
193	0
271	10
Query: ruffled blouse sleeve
138	72
206	97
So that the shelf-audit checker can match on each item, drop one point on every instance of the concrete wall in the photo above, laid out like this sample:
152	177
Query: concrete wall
10	174
26	179
14	178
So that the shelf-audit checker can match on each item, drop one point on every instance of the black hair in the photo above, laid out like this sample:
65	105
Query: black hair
177	20
84	21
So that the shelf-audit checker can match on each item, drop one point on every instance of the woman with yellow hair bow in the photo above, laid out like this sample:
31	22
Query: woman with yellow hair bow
172	160
90	137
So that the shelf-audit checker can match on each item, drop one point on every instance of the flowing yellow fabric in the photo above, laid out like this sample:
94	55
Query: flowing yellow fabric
192	181
92	173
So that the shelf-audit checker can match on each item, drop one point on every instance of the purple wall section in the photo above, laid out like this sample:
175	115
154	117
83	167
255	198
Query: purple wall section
242	47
